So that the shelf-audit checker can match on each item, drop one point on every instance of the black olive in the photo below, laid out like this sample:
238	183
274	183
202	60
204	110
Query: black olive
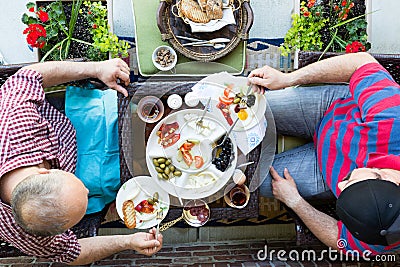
251	100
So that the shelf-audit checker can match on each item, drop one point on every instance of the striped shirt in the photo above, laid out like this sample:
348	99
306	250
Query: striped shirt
32	130
361	131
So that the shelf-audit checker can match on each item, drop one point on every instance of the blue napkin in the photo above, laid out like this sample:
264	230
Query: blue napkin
94	114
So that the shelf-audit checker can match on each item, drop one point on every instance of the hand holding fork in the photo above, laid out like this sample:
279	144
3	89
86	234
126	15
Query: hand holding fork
243	100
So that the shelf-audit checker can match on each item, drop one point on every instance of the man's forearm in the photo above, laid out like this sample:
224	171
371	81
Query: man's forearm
100	247
58	72
331	70
323	226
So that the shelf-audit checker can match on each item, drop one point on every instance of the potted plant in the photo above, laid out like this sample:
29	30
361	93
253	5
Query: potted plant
328	26
71	29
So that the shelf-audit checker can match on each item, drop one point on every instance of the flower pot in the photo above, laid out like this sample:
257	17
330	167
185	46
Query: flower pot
81	31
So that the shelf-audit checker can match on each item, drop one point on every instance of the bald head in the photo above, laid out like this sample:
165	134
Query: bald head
49	203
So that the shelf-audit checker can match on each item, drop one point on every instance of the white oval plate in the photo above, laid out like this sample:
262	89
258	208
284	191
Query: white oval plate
138	189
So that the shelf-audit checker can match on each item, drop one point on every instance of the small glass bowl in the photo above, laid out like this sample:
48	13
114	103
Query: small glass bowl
150	109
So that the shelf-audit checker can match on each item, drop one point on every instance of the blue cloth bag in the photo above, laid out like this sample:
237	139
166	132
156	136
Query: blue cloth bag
94	114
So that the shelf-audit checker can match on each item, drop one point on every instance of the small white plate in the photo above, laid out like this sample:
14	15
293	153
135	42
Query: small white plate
216	90
141	188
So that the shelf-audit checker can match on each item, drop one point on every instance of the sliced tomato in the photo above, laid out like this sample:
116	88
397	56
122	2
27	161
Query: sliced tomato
198	162
225	100
227	91
187	157
188	146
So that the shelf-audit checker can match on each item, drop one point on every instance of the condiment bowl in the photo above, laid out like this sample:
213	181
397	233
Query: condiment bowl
160	54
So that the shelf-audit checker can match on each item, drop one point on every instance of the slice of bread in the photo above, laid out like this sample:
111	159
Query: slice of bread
128	209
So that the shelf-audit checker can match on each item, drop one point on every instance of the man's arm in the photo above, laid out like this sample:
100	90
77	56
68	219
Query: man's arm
323	226
109	71
332	70
100	247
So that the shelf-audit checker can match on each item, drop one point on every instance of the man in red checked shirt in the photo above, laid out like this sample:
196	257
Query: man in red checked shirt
355	153
41	198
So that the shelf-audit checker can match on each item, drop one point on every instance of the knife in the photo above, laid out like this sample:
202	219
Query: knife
189	39
212	41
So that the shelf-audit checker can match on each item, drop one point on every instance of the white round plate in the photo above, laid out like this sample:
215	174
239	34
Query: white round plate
255	113
214	85
192	184
140	188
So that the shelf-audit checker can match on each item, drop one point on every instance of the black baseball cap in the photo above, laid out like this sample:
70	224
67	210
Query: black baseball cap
370	209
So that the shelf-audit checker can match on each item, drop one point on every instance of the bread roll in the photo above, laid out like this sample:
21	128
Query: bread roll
191	9
214	9
128	210
202	4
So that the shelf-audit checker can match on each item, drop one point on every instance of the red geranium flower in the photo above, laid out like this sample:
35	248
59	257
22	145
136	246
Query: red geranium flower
344	3
36	35
32	9
355	47
306	14
43	16
311	3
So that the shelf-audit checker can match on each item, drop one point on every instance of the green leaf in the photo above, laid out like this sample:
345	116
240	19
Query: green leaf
29	5
24	19
32	20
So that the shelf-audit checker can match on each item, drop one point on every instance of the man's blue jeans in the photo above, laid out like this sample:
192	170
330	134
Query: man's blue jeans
297	112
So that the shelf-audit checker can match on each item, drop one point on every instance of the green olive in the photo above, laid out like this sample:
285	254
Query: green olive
168	162
160	176
236	100
177	173
155	162
158	169
161	160
162	166
167	170
155	197
172	168
166	177
150	201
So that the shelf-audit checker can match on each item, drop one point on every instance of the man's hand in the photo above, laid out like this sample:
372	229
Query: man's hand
321	225
267	77
100	247
110	71
146	243
285	190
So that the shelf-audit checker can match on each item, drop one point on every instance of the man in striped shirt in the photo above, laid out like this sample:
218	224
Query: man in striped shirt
41	198
355	153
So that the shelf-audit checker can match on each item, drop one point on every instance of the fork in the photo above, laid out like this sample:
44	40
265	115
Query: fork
243	100
199	123
159	217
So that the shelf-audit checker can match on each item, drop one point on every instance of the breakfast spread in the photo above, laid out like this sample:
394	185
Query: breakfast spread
179	154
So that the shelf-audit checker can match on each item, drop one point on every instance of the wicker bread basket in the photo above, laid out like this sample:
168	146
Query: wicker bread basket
171	26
